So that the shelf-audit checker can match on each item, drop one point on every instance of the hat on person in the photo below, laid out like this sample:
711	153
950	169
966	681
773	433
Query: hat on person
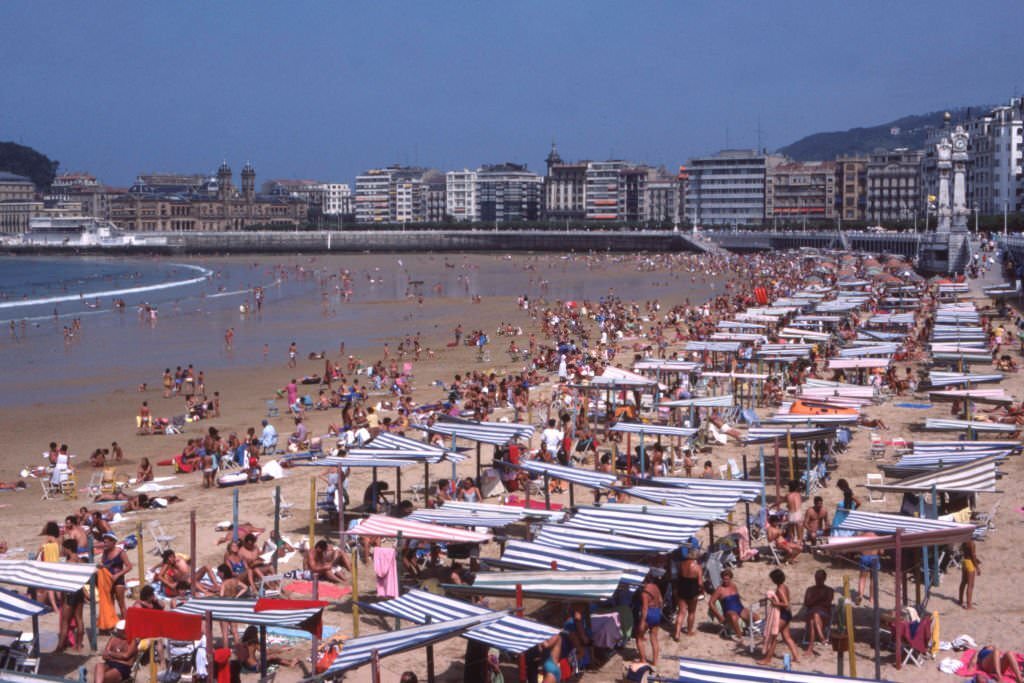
109	535
119	626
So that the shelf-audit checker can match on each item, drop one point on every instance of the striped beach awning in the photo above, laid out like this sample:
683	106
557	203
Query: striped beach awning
828	388
403	454
577	475
745	489
397	441
647	525
801	419
544	584
723	401
852	284
889	319
245	611
666	365
797	333
739	325
694	503
941	424
56	576
964	446
757	435
819	318
492	508
885	523
578	538
976	476
493	433
858	363
742	337
651	429
452	517
509	633
879	349
983	358
708	671
337	461
879	336
536	555
16	607
389	527
713	346
359	651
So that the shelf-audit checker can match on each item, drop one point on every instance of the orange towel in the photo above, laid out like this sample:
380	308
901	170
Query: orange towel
107	618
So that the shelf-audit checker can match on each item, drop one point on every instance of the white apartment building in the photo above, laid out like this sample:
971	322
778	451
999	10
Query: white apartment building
461	195
728	188
373	197
336	199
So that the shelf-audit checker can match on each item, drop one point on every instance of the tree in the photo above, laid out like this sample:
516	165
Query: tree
25	161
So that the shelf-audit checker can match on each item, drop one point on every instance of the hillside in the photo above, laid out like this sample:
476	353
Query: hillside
909	131
25	161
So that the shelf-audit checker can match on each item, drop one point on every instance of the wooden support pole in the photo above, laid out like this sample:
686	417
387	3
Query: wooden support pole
192	562
519	613
208	619
897	622
312	513
234	514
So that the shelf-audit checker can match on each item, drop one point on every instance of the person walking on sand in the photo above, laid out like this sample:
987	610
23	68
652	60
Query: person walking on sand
292	353
970	566
229	337
779	599
648	618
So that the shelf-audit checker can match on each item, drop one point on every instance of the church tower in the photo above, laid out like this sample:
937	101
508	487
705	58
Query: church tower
248	182
224	187
553	158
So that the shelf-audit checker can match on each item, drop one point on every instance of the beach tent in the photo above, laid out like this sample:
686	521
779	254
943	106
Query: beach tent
576	475
509	633
390	527
54	576
705	505
987	396
976	476
646	524
567	586
723	401
650	429
745	489
359	651
885	523
762	435
524	554
466	518
298	614
940	424
708	671
858	363
491	508
578	538
15	607
491	433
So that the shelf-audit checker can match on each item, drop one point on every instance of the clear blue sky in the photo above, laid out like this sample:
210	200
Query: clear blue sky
327	89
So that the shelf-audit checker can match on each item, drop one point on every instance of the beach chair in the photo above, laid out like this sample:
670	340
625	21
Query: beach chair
750	417
161	539
181	661
987	520
877	447
875	479
917	640
50	491
272	409
776	555
271	586
109	482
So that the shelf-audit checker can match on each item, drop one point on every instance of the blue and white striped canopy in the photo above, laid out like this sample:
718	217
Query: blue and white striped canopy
56	576
406	454
493	509
453	517
880	336
948	379
745	489
890	319
713	347
243	611
884	523
723	401
666	365
652	429
536	555
756	435
707	671
696	503
976	476
336	462
15	607
398	442
359	651
509	633
577	475
937	423
494	433
545	584
739	325
802	419
646	525
577	538
881	349
923	447
797	333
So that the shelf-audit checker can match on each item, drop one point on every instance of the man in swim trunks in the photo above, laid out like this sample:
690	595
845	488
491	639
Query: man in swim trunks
818	601
816	520
649	618
869	561
732	607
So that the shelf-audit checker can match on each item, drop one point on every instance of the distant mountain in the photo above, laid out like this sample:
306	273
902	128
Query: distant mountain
909	131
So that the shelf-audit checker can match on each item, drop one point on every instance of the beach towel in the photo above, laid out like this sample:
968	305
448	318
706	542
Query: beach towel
149	623
386	571
324	590
107	618
966	671
772	624
915	406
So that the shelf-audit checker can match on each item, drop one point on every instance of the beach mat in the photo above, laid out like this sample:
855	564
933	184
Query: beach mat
325	590
915	406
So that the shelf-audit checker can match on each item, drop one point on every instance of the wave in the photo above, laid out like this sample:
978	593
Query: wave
205	273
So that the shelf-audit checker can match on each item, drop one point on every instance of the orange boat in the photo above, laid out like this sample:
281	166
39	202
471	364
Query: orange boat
801	408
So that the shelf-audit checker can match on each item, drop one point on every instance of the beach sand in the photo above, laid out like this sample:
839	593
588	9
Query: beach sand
98	419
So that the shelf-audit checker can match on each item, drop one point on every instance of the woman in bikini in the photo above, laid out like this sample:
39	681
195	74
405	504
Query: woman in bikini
780	599
649	618
115	560
970	566
687	591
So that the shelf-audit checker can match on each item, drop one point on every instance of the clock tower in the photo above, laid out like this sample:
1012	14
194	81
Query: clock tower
959	139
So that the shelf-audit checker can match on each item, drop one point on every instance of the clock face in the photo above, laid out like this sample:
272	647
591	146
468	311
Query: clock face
959	144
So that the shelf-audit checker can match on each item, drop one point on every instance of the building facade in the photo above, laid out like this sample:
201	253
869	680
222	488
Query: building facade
800	190
216	205
508	193
661	203
894	186
728	188
396	194
565	189
851	187
460	196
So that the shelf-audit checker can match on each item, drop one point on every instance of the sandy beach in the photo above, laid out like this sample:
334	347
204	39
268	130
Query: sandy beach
95	419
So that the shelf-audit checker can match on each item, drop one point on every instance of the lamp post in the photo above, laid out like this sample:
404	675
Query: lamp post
1006	208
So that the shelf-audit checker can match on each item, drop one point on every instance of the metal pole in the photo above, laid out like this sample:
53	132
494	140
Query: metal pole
314	641
234	514
430	655
398	571
519	613
547	490
898	612
277	526
877	619
263	651
312	512
208	618
192	543
92	598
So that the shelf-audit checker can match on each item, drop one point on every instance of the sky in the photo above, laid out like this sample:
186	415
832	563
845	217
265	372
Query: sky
325	90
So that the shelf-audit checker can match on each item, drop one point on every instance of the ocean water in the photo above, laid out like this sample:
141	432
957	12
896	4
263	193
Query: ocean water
197	300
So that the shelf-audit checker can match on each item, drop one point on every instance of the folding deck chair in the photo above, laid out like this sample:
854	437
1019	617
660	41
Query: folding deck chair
161	539
917	640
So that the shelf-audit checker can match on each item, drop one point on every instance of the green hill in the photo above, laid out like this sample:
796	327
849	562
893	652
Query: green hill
909	131
25	161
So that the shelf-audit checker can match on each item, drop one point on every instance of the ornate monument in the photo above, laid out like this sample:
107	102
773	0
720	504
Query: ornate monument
948	249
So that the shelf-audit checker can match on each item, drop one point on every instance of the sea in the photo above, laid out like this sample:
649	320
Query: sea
176	310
